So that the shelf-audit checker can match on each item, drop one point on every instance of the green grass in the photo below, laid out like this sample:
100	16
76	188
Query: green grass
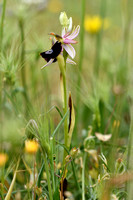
31	104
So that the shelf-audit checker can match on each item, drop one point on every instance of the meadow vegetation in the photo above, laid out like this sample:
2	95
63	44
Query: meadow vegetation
66	129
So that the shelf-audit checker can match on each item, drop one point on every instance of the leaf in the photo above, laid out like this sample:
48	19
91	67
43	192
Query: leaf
4	188
8	196
40	175
60	123
71	120
56	195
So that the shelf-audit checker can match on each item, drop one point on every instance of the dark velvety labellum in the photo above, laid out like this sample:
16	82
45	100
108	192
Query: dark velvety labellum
53	52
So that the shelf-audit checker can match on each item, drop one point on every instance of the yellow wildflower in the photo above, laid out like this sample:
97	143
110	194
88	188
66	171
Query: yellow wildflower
94	24
3	159
31	146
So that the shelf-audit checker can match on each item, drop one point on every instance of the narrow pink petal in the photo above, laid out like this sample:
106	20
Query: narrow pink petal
74	33
68	60
69	49
69	41
67	34
49	63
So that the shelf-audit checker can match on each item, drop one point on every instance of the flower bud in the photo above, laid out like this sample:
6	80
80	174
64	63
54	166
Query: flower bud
65	22
64	19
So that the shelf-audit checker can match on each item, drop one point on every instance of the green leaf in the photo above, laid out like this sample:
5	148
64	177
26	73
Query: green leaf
40	175
56	195
60	123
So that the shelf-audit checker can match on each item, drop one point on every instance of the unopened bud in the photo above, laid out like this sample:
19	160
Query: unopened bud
64	19
65	22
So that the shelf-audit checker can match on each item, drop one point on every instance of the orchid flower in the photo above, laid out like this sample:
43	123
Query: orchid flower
62	43
51	55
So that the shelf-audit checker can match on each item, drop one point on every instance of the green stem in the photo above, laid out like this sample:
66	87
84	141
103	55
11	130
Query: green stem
23	73
52	162
2	171
34	164
2	24
65	109
9	193
21	25
114	139
128	187
80	64
130	141
74	175
83	177
126	41
1	40
81	41
62	66
48	176
99	39
122	74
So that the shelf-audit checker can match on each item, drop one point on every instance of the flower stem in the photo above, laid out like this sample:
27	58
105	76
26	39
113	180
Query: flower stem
23	73
80	64
99	39
8	195
62	66
21	25
129	185
130	141
1	39
83	177
123	65
34	177
2	23
48	176
52	162
65	109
